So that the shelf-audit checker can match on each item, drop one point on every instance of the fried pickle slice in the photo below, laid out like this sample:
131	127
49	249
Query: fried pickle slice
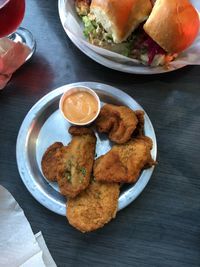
123	163
94	207
50	162
77	161
118	121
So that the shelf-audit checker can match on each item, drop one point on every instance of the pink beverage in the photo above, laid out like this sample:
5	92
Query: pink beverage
11	15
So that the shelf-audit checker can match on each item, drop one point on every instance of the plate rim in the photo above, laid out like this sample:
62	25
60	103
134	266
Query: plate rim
25	173
106	62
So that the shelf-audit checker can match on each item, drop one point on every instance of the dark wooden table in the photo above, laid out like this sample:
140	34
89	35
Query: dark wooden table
162	226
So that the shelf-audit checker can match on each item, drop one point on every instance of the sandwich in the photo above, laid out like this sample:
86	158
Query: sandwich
153	32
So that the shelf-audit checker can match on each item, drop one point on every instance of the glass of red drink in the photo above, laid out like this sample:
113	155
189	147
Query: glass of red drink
11	15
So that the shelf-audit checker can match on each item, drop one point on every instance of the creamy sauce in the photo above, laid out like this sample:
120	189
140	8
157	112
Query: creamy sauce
80	107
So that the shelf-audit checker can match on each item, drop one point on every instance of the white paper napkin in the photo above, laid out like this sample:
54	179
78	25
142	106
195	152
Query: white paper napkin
12	56
19	247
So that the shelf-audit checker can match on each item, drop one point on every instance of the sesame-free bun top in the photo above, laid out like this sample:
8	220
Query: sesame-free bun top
120	17
173	24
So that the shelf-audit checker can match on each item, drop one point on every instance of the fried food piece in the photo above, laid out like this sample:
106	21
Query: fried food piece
50	162
118	121
77	161
82	7
78	131
94	207
123	163
139	131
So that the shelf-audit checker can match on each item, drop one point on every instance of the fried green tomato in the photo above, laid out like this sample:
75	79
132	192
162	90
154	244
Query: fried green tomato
94	207
50	162
77	161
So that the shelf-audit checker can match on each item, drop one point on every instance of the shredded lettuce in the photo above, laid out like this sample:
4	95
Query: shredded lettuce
89	27
138	46
96	35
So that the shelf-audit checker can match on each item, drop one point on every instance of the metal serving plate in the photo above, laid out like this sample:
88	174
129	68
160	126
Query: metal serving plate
44	125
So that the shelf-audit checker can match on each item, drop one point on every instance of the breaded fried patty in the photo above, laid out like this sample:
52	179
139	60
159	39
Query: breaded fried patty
118	121
94	207
123	163
50	162
77	161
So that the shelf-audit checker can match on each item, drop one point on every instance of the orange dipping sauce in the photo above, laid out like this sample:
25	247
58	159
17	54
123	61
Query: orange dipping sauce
80	107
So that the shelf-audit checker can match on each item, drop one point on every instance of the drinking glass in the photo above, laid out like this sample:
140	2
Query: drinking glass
11	15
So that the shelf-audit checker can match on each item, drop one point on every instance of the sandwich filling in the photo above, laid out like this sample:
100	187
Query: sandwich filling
137	46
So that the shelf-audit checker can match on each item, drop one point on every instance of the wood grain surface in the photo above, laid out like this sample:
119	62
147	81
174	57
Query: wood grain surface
161	228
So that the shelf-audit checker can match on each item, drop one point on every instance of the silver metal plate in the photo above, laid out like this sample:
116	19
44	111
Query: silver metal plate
44	125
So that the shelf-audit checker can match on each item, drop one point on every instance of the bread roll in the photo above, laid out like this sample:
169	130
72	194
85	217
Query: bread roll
120	17
173	24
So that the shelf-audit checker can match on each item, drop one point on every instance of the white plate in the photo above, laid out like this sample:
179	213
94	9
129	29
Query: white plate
107	62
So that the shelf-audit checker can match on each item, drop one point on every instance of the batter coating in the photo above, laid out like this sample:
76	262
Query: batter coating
123	163
94	207
77	161
50	161
118	121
